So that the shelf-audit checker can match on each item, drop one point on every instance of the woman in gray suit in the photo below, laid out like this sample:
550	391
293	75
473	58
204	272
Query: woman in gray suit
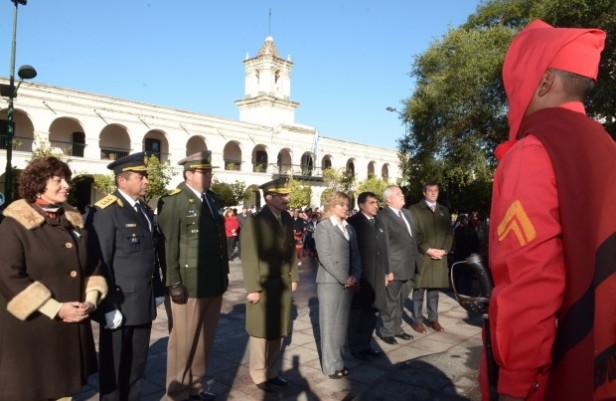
339	271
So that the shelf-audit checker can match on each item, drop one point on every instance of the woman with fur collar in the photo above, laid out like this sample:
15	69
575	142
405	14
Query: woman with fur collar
49	285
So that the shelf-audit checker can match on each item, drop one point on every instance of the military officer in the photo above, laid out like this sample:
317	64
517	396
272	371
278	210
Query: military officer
193	228
269	263
129	240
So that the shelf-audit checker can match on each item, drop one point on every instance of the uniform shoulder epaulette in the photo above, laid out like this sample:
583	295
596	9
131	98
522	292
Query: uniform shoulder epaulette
108	200
174	192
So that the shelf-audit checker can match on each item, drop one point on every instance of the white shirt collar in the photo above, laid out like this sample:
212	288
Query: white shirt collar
130	200
195	191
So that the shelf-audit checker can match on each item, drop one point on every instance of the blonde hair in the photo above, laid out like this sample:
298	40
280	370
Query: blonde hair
333	199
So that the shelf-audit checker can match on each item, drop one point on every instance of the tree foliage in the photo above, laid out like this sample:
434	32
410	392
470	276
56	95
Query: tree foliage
341	179
159	177
457	112
104	183
374	185
231	194
301	193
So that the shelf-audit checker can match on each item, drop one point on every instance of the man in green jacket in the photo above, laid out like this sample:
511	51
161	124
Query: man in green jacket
434	240
192	224
269	263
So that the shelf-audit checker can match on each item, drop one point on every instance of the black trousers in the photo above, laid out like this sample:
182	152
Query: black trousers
123	355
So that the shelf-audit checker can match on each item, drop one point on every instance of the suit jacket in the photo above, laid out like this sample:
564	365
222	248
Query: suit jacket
372	244
338	257
130	255
269	264
402	257
195	242
433	231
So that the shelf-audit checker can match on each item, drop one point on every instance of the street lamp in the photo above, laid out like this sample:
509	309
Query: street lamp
25	72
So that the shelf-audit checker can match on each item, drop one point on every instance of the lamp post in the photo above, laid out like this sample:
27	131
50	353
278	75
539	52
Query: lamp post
25	72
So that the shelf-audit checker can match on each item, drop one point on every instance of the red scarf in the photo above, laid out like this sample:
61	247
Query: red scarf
583	156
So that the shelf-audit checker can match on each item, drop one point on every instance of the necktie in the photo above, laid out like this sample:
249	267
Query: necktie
142	215
207	203
406	223
371	221
432	207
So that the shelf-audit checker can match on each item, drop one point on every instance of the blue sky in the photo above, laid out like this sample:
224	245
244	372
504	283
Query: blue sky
351	58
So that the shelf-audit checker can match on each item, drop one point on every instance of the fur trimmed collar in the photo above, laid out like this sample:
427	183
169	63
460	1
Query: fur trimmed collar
27	216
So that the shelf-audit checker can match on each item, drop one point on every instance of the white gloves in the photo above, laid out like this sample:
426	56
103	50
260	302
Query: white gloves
113	319
159	300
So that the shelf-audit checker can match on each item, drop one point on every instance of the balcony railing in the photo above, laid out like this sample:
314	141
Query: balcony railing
233	165
20	144
69	148
110	153
299	172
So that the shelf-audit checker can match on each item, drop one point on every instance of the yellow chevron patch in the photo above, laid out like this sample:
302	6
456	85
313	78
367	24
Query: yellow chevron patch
516	221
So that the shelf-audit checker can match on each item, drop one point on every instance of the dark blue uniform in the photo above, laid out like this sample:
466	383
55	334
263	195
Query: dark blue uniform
129	247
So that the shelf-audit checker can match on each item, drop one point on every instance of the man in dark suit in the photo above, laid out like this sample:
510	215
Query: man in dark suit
403	262
269	264
192	223
129	240
370	294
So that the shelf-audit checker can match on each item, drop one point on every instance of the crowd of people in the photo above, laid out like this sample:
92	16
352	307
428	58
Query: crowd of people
552	311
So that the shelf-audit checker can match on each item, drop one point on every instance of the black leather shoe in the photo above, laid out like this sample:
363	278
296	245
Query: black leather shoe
372	352
203	396
404	336
361	355
266	386
389	340
279	381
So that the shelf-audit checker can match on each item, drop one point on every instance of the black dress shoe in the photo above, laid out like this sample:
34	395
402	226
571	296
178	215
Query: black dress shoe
279	381
372	352
266	386
404	336
361	355
389	340
203	396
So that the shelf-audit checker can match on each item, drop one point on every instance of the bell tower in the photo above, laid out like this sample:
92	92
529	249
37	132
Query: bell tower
267	89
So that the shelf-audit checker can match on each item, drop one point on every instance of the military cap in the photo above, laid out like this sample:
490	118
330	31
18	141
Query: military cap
198	160
278	186
137	162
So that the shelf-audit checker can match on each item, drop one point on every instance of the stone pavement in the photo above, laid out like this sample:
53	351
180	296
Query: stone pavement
432	366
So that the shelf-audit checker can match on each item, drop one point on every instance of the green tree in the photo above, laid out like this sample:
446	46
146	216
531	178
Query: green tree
231	194
374	185
340	179
104	183
301	193
159	177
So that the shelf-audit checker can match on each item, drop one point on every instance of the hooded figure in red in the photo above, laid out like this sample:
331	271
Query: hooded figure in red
553	238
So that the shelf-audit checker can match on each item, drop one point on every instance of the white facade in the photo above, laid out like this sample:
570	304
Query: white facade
92	129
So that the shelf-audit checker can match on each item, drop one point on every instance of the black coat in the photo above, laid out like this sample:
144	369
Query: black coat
130	253
372	245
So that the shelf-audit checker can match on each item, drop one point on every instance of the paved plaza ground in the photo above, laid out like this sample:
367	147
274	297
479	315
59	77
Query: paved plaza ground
432	366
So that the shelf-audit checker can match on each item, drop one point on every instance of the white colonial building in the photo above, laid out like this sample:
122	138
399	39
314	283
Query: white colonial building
91	130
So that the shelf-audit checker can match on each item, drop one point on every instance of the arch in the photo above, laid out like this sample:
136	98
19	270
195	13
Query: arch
371	168
350	166
155	142
114	142
195	144
307	164
326	162
67	134
232	155
23	136
385	172
283	161
259	159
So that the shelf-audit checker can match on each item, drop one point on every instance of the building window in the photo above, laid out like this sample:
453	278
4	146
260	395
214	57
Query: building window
152	146
79	144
